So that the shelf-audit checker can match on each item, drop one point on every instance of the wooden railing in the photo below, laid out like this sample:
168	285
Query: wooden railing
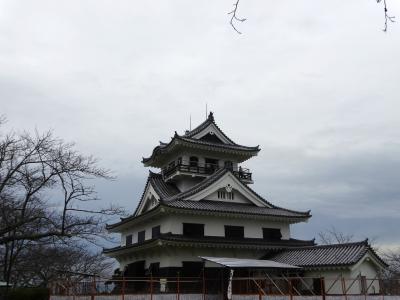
206	169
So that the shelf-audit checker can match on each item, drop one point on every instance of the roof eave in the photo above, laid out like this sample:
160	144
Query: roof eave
290	219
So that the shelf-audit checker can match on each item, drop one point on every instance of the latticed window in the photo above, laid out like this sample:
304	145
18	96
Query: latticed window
128	239
193	161
272	234
193	230
234	232
141	236
155	231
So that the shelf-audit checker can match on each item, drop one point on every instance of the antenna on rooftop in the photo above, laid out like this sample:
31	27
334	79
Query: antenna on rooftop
206	110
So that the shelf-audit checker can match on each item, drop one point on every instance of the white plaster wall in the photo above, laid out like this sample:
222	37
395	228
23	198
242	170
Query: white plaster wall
330	277
369	270
214	226
365	268
163	221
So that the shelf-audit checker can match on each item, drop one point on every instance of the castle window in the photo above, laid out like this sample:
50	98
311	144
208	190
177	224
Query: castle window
211	164
234	232
228	165
193	230
141	236
272	234
193	161
155	231
128	240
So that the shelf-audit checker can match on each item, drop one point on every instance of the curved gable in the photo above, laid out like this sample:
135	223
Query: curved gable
149	200
226	182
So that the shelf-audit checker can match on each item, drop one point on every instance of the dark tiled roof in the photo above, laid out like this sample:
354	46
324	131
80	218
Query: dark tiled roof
170	196
218	145
210	120
177	201
165	147
326	255
225	207
206	182
164	190
219	241
189	140
281	244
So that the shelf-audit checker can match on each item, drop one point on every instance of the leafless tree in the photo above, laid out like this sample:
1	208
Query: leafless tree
39	264
45	195
334	236
392	258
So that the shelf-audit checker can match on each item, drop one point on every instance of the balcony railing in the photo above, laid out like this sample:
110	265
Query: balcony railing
207	169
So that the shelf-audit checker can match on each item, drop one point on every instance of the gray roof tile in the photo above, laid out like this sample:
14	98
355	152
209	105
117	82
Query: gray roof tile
326	255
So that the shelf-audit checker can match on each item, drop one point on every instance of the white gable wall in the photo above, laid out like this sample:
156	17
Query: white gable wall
365	267
229	179
149	192
238	197
213	130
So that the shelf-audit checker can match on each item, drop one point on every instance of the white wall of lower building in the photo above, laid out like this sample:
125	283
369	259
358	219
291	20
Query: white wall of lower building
352	278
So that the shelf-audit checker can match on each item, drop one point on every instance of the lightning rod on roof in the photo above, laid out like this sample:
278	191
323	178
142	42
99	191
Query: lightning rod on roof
190	122
206	111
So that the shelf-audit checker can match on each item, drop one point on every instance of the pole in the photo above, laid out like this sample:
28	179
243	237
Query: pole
204	285
151	286
177	287
322	281
344	288
123	287
93	288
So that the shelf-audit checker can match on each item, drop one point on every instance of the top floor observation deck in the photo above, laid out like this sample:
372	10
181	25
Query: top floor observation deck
195	168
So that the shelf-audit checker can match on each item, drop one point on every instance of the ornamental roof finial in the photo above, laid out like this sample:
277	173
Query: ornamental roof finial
211	116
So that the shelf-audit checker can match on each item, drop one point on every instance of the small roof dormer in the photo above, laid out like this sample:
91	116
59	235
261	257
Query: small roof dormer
207	137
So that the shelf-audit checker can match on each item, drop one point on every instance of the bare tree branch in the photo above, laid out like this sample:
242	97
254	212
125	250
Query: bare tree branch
234	16
334	236
387	16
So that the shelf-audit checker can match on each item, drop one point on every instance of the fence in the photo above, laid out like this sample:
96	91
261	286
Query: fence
242	288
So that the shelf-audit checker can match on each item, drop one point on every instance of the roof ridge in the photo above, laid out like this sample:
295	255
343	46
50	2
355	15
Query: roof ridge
217	175
198	128
186	138
210	120
275	206
142	196
164	147
337	245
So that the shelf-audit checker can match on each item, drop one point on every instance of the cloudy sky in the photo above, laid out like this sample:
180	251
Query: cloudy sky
315	83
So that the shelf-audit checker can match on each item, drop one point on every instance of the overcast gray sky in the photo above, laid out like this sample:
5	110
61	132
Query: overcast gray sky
315	83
